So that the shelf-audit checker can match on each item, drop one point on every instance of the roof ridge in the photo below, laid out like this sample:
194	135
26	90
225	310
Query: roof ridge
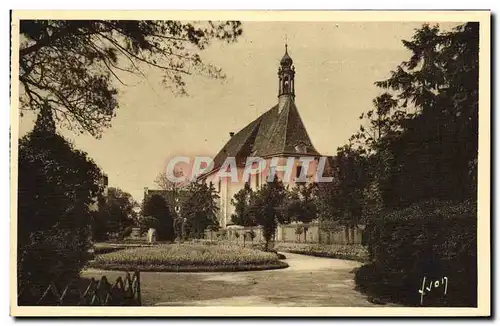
286	123
305	129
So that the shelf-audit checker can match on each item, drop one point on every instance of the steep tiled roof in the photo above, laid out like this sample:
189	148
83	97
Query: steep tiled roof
239	144
275	132
287	132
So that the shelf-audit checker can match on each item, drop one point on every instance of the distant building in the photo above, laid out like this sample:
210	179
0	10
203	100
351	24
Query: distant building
277	133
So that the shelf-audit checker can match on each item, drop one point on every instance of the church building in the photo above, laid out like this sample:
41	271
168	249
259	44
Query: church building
278	134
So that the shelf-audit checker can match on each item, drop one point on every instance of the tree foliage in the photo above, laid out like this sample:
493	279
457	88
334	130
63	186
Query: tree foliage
301	203
116	212
242	202
423	169
72	66
200	209
269	208
341	201
148	222
156	207
57	186
421	137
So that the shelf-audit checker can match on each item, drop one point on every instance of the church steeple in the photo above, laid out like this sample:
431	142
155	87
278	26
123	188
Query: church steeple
286	75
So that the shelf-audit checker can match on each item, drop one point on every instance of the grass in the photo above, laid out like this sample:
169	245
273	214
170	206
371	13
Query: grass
340	251
188	258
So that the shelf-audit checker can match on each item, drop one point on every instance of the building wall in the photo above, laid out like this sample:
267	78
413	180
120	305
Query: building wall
316	233
227	187
226	190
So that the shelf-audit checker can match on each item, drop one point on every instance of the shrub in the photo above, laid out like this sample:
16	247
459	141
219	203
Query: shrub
126	232
147	222
57	186
339	251
430	239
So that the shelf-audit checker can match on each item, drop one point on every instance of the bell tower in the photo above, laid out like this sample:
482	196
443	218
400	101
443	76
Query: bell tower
286	75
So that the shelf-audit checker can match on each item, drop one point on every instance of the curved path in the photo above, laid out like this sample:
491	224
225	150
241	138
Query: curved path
308	282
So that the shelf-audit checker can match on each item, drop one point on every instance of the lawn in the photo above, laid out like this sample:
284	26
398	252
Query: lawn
188	258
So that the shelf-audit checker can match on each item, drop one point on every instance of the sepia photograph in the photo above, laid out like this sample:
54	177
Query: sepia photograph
250	163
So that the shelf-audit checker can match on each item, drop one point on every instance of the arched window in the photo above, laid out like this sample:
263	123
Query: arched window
286	84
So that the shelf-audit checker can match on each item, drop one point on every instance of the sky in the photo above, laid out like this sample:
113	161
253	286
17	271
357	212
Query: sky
336	66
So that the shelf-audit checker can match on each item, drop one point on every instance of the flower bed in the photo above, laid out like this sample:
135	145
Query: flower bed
351	252
188	258
104	247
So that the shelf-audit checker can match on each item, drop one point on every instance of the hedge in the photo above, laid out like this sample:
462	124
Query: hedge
354	252
432	240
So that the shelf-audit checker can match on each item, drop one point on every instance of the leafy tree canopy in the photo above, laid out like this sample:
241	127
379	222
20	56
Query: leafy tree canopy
341	201
72	66
421	136
301	204
118	210
269	207
156	207
200	209
242	201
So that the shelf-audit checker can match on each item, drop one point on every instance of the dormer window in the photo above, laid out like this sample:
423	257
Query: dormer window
301	148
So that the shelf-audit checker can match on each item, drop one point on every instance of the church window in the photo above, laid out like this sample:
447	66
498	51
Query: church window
299	171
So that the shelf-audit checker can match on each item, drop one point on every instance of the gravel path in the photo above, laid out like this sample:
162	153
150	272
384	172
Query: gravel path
308	282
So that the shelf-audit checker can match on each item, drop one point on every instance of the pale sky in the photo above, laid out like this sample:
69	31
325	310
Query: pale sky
336	65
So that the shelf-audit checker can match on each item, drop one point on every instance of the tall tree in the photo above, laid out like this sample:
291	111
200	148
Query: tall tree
269	208
156	207
57	185
200	209
378	124
341	200
72	66
118	209
438	146
301	205
242	203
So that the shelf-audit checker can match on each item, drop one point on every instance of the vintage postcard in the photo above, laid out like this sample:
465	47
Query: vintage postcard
246	163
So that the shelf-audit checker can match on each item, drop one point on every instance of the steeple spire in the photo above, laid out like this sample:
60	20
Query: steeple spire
286	74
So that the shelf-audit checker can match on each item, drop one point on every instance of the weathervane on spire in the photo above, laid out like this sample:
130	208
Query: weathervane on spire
286	73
